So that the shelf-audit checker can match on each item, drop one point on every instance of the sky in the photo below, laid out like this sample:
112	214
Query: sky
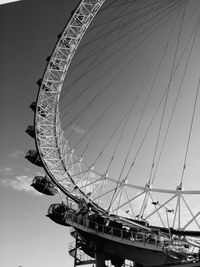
29	31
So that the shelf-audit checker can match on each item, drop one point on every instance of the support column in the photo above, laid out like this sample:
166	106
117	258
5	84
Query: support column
100	259
117	262
75	250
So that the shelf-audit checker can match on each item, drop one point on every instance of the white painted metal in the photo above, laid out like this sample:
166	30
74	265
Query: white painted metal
55	153
60	162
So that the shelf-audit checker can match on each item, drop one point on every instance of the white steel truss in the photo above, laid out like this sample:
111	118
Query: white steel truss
60	161
52	146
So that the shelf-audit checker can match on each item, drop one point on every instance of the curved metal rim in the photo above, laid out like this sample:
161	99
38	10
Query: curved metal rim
74	30
72	22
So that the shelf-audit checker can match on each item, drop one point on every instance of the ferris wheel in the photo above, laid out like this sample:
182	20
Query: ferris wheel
116	117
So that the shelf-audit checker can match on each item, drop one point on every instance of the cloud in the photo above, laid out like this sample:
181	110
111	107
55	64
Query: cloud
38	173
75	128
20	183
5	170
14	175
17	154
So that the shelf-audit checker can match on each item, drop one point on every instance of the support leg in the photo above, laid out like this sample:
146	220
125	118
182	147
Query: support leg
117	262
99	259
75	251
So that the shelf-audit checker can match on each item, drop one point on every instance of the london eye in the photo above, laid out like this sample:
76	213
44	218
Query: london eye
116	130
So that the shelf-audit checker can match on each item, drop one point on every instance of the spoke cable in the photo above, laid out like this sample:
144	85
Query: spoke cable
103	112
100	77
137	153
122	47
145	105
141	88
177	97
190	132
167	94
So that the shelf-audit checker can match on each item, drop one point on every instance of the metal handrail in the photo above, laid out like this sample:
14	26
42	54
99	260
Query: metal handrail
158	240
155	239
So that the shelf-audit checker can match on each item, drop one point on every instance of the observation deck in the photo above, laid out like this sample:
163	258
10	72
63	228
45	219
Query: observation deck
140	245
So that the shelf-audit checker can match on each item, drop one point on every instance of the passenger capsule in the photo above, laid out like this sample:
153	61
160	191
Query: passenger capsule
33	106
40	110
59	35
39	82
30	131
33	157
48	58
56	213
45	87
44	185
73	11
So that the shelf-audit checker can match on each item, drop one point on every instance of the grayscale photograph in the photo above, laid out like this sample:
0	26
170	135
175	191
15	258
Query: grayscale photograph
100	133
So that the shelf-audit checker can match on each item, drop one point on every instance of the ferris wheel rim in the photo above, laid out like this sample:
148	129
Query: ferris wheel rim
39	114
96	4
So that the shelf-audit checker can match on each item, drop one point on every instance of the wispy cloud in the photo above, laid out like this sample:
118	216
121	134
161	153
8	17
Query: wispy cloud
16	176
38	173
20	183
17	154
6	170
75	128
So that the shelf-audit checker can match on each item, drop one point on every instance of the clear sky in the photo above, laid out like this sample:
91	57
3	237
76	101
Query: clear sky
29	31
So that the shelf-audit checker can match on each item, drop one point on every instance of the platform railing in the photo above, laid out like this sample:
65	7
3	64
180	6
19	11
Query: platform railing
156	239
